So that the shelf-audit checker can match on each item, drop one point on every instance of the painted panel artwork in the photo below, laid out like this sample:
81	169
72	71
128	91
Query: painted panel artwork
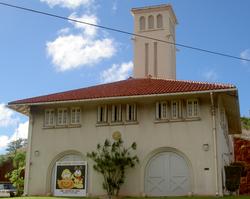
70	178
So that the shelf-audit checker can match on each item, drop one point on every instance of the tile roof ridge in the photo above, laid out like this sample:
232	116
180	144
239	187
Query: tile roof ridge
206	83
191	81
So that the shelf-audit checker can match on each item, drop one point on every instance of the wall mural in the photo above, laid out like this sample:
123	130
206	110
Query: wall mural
70	178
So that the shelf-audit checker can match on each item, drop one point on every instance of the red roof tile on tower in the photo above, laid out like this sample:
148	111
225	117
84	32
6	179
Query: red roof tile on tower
129	87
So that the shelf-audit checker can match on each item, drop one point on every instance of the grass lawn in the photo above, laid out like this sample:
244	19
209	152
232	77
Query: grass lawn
184	197
194	197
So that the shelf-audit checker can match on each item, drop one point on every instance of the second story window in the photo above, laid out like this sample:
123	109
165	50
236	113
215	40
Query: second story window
159	21
176	109
142	23
62	116
102	114
151	22
75	115
131	114
161	110
192	108
116	113
49	117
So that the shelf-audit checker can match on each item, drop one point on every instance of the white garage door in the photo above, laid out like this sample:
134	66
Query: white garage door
167	174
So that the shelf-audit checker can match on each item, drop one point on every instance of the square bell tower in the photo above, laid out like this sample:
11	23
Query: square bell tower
151	57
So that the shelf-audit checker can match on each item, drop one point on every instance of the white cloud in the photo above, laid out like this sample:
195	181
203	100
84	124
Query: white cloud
20	132
117	72
245	55
63	31
4	140
210	75
74	51
88	30
71	4
81	44
6	116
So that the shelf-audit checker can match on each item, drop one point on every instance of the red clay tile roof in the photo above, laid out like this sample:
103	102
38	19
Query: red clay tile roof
129	87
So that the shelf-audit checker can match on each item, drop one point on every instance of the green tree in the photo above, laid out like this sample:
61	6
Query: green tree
245	123
15	145
16	176
3	159
111	160
16	155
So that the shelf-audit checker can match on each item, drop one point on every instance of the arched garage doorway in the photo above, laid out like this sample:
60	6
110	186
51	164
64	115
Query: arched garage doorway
167	174
62	157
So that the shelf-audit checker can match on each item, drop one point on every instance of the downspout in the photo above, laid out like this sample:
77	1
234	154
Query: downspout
215	144
28	158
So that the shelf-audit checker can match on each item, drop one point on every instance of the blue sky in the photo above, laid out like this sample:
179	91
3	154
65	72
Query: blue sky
41	55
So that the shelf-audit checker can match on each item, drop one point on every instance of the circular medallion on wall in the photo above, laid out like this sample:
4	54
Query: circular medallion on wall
116	135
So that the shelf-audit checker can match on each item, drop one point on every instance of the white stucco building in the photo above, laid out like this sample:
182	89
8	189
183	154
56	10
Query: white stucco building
182	128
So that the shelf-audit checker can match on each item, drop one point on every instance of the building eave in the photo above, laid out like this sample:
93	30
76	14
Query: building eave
231	103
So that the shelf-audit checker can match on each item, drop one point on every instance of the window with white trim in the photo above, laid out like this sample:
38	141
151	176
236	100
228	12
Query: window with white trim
75	115
142	23
161	110
151	22
192	108
102	114
116	115
159	21
131	114
176	109
49	119
62	116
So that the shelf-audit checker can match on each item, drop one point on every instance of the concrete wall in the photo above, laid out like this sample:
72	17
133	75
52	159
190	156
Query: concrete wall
185	136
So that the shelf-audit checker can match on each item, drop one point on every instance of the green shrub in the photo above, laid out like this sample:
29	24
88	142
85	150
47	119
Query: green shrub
111	160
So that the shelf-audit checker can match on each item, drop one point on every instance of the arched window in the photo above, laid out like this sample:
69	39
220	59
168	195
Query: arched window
70	156
150	22
142	23
159	21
